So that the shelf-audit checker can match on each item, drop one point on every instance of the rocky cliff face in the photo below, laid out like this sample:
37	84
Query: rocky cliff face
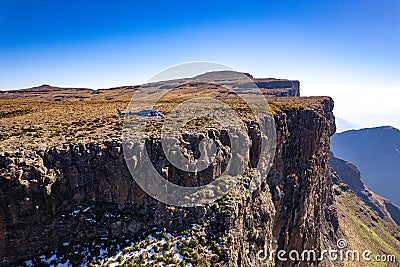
292	88
79	192
300	181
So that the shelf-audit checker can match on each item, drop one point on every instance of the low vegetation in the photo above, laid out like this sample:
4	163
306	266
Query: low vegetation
365	230
45	116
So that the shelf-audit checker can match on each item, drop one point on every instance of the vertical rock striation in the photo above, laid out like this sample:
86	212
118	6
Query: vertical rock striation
66	193
300	181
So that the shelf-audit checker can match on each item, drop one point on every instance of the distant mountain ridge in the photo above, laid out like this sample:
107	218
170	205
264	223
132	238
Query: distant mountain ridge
376	153
269	86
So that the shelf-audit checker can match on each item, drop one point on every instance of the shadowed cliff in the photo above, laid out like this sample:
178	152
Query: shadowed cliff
62	195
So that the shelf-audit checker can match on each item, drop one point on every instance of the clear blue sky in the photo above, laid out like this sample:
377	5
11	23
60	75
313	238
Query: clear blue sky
348	49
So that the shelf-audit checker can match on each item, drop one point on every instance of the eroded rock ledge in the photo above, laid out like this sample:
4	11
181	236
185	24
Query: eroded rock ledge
83	191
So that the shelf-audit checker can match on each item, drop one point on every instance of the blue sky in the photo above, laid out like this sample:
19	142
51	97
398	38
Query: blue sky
347	49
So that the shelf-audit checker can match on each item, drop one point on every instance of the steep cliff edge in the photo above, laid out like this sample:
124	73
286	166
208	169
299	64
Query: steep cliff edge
72	193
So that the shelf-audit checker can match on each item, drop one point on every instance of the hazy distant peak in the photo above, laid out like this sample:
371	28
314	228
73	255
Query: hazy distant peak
224	75
376	152
386	128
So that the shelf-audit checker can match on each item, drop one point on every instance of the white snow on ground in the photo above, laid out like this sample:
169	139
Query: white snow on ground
74	213
178	256
52	258
85	210
149	249
122	254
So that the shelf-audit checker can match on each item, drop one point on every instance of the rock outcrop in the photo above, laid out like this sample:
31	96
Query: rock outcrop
83	191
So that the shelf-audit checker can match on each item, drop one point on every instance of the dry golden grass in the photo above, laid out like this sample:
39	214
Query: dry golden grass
45	116
35	123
